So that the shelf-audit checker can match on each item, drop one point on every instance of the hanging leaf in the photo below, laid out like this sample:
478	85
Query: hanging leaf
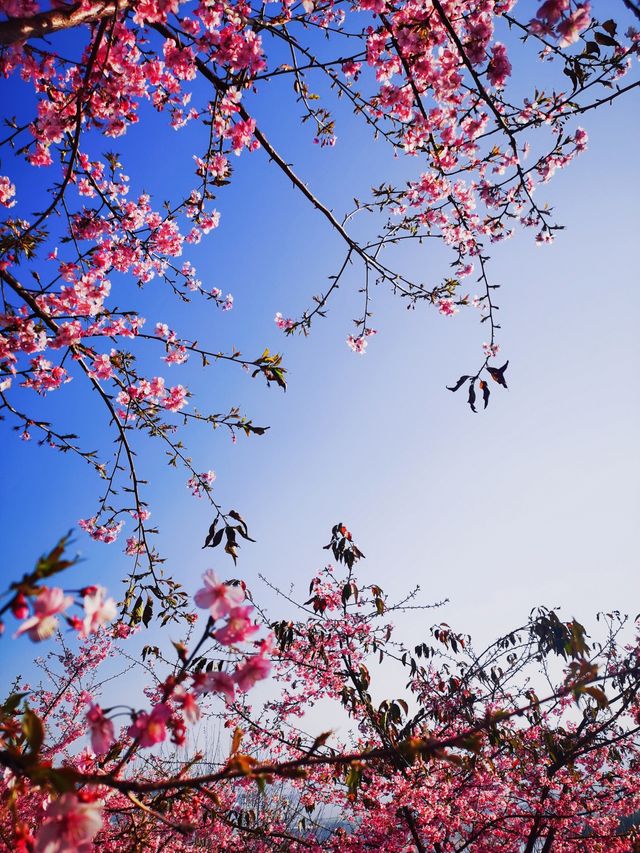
497	374
10	705
458	384
210	534
472	397
33	730
485	392
215	540
147	613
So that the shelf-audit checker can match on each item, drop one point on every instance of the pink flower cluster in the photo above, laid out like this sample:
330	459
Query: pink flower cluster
51	602
225	601
177	705
7	192
283	323
106	533
359	343
70	825
558	19
491	350
447	307
154	392
100	728
201	483
45	376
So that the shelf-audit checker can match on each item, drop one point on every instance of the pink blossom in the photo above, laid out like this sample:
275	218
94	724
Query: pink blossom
187	702
215	682
491	350
239	627
254	669
7	192
283	323
134	545
101	728
102	367
571	27
543	237
45	376
149	729
581	138
69	334
551	11
351	68
200	483
98	611
69	826
209	221
358	344
180	60
240	135
50	602
122	631
19	606
154	11
106	533
373	5
156	387
219	598
176	355
163	331
499	67
447	307
141	515
176	398
41	156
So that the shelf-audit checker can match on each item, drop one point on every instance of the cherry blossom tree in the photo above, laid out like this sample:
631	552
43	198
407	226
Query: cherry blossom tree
530	745
434	81
471	756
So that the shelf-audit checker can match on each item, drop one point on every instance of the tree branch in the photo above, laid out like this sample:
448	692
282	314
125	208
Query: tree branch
45	23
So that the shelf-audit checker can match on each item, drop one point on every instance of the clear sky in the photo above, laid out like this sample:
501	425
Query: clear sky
534	501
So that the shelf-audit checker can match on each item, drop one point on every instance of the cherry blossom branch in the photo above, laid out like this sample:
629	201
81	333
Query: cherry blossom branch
244	767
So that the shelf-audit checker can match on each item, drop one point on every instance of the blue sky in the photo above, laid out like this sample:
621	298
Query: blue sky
534	501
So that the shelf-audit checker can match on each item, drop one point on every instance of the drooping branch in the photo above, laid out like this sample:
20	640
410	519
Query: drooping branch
241	766
286	168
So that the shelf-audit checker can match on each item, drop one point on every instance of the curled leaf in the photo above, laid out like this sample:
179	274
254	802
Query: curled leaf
497	374
485	392
472	397
458	384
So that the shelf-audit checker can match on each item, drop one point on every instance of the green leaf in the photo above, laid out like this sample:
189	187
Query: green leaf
353	779
53	563
33	730
147	613
10	704
138	610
